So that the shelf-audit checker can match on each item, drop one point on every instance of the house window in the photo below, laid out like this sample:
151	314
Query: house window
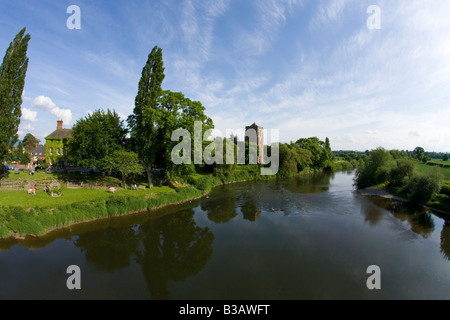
51	150
58	152
51	162
62	151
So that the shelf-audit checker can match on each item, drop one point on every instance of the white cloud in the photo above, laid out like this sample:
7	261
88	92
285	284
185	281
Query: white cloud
29	128
46	104
29	115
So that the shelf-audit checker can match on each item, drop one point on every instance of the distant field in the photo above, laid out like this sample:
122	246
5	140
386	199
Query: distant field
424	167
440	162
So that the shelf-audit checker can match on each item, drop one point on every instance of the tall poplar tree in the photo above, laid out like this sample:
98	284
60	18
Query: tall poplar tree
12	80
143	121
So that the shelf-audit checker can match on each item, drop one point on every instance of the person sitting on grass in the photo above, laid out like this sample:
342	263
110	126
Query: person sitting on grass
112	190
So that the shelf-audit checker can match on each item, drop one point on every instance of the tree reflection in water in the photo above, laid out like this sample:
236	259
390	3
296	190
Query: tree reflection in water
170	248
220	209
445	240
309	184
250	210
108	249
419	218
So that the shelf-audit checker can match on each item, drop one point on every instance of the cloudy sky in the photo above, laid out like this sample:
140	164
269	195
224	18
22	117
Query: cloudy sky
305	67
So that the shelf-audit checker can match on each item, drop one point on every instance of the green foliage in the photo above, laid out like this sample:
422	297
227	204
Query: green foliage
205	183
445	189
175	111
445	158
30	142
95	138
12	80
376	169
422	187
142	122
125	162
225	171
320	151
339	165
399	174
293	159
404	169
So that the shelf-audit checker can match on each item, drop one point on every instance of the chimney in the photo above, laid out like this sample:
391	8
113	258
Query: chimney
59	125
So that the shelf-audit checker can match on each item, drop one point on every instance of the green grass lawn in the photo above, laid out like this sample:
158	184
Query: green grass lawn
42	199
424	167
440	162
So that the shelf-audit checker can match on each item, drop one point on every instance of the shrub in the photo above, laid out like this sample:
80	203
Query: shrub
376	169
445	188
5	232
206	183
422	187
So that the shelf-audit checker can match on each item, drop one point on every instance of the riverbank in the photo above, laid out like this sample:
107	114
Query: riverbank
35	216
383	193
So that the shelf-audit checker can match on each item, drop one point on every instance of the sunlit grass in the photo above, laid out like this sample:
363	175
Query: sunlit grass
42	199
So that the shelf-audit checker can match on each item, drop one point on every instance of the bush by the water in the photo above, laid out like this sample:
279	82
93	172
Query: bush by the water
422	187
387	168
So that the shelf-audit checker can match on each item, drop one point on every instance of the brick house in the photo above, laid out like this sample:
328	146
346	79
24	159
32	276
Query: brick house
37	154
56	146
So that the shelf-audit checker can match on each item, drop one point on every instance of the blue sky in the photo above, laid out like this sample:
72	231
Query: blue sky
305	67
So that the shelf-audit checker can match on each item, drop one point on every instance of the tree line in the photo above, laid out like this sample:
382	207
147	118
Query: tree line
143	142
397	170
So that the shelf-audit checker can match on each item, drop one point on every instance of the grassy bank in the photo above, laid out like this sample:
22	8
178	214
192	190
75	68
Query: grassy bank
24	215
19	220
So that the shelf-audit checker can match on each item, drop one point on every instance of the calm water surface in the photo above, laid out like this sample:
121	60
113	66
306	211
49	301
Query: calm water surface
300	238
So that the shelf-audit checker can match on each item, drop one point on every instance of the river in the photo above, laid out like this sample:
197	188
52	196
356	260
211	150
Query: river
306	237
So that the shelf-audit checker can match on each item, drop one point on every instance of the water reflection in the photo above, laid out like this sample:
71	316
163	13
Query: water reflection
372	214
220	209
168	247
172	248
309	184
420	219
108	249
445	240
250	210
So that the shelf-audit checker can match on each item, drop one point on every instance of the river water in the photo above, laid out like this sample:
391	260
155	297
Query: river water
299	238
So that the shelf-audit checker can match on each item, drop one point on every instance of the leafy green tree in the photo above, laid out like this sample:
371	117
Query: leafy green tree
422	187
175	111
96	137
320	152
376	170
445	158
143	121
126	162
419	153
12	80
30	142
293	159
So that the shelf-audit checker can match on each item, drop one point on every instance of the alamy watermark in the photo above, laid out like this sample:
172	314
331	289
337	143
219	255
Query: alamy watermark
74	21
374	281
74	280
374	20
214	152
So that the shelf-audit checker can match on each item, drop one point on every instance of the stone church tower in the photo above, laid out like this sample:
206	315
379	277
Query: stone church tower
259	140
